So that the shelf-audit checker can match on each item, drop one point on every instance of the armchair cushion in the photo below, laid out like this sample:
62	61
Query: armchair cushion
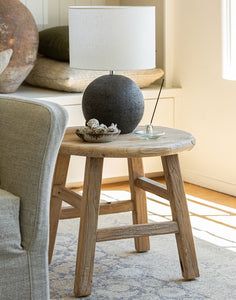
10	236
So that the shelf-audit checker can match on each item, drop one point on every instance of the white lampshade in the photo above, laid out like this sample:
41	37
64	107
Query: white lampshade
229	39
112	37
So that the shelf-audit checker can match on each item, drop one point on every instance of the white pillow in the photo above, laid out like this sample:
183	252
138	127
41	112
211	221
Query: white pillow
48	73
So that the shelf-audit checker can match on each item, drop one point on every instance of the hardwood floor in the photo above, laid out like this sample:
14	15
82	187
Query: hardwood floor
212	214
197	191
210	195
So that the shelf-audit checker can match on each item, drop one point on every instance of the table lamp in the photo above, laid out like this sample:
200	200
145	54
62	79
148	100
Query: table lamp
113	38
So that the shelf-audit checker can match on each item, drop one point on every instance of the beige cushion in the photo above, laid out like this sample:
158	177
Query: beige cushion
56	75
5	57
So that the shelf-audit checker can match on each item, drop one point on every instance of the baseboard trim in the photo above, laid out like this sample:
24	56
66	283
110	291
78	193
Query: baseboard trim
209	182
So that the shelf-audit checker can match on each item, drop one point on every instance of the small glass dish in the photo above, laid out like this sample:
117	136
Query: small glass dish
150	135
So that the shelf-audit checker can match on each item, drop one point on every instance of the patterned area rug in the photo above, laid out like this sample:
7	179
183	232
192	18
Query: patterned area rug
120	273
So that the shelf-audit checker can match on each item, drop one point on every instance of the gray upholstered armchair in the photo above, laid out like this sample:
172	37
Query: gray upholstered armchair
30	137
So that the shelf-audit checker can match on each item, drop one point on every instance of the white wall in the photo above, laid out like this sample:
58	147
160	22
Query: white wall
208	106
62	7
55	12
39	9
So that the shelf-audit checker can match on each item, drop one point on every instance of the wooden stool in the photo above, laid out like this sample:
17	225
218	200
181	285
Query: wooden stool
87	207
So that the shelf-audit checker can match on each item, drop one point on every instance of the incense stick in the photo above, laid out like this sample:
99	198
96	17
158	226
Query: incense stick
159	94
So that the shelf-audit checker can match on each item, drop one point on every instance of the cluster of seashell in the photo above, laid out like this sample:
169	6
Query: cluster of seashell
93	127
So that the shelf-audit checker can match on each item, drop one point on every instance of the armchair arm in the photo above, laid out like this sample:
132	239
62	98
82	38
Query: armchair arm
30	137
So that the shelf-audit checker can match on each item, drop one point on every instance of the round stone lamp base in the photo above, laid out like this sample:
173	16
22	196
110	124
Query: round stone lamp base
114	99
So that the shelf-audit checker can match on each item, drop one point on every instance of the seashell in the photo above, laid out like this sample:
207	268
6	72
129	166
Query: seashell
93	123
100	129
113	128
88	130
83	130
103	126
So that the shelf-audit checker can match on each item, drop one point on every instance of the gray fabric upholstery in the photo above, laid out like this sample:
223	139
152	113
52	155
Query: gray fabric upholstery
30	137
10	237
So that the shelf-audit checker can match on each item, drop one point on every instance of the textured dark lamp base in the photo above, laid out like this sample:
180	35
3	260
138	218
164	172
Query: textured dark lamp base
114	99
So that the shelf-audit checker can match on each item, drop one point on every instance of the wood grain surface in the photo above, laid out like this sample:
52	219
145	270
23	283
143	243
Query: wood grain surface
180	214
126	232
130	145
88	226
104	209
138	196
152	186
60	175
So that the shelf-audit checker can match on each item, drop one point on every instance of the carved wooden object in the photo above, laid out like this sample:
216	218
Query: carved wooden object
18	32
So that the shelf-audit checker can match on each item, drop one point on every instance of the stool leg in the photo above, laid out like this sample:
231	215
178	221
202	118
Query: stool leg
138	196
88	227
60	175
179	208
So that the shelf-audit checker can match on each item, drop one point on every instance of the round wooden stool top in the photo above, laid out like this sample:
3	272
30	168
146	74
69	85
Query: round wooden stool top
130	145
